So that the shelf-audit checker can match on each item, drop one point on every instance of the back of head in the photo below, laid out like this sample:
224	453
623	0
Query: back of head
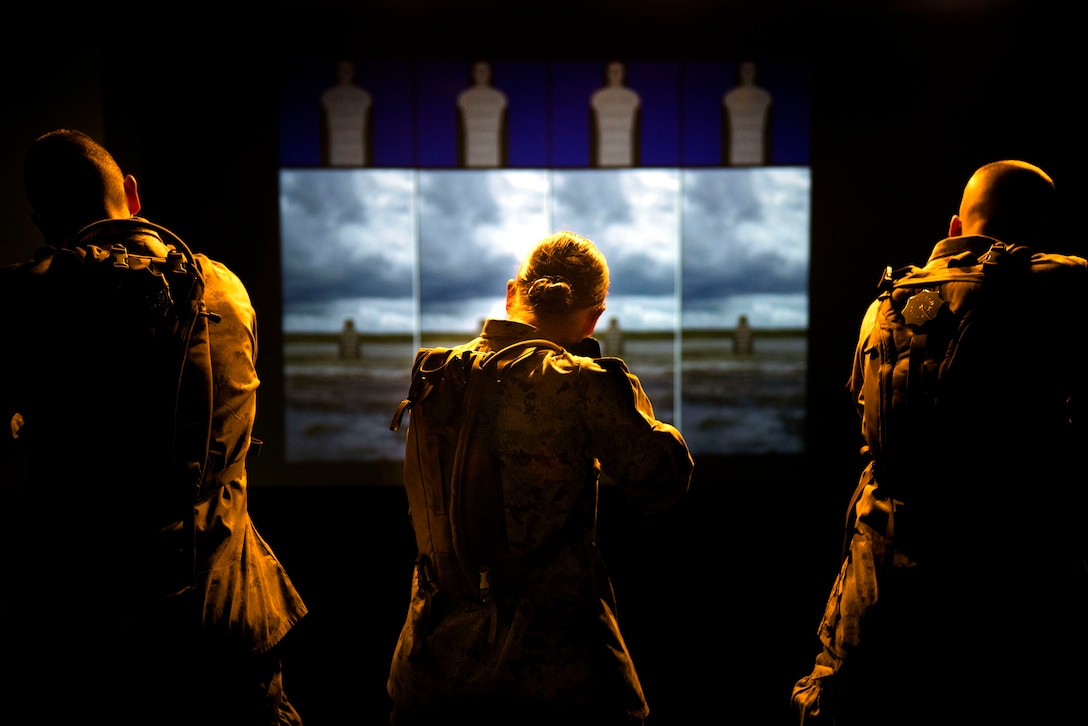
565	272
70	181
1012	201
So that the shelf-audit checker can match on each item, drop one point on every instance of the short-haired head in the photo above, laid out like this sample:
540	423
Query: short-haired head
71	181
1010	200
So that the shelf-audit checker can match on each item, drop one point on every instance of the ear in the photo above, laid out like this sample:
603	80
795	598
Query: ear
131	196
955	227
592	316
511	292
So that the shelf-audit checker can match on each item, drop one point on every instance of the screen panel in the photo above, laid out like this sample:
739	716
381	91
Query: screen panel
451	171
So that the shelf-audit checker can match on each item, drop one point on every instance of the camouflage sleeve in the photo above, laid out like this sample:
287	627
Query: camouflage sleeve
233	353
647	458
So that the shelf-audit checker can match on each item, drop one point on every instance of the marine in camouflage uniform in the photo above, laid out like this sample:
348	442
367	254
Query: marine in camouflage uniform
551	647
94	629
962	591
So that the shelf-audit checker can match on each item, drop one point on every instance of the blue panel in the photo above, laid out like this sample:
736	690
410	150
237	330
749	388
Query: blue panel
658	85
526	87
437	86
391	85
414	115
572	83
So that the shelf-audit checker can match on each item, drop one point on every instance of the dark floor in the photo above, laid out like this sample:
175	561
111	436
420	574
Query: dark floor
718	599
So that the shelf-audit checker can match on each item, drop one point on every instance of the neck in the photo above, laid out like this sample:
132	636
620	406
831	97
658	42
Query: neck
559	329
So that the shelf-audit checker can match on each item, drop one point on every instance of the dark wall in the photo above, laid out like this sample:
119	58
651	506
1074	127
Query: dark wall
908	99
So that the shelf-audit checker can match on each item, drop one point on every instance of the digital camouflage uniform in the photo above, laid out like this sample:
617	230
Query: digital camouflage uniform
549	647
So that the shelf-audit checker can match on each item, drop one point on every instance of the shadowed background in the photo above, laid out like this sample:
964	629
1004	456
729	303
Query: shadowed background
719	598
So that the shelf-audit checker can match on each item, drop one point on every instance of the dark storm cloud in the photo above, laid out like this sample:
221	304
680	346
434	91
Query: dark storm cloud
630	219
352	234
639	274
745	233
727	197
461	214
765	272
340	240
593	199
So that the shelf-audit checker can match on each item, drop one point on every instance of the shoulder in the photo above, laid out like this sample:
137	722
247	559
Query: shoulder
220	282
1071	265
613	367
868	321
565	361
13	281
215	269
41	279
608	379
15	270
1059	281
559	369
10	267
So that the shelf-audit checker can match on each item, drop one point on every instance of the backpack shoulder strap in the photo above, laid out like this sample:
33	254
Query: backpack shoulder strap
449	489
427	370
430	366
186	320
134	314
476	497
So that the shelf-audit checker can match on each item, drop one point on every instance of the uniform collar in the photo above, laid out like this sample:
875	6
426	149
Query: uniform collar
501	333
951	246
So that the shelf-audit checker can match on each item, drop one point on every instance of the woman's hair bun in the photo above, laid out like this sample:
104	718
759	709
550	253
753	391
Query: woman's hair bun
551	293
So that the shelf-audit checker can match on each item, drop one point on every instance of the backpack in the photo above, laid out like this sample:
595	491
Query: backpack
110	392
969	393
454	494
969	341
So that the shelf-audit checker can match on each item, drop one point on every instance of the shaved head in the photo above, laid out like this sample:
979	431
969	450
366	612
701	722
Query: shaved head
71	181
1013	201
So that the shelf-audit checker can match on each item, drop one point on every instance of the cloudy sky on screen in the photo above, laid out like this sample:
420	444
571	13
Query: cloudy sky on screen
402	250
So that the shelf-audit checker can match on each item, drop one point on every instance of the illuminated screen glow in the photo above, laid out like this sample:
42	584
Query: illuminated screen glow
379	258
